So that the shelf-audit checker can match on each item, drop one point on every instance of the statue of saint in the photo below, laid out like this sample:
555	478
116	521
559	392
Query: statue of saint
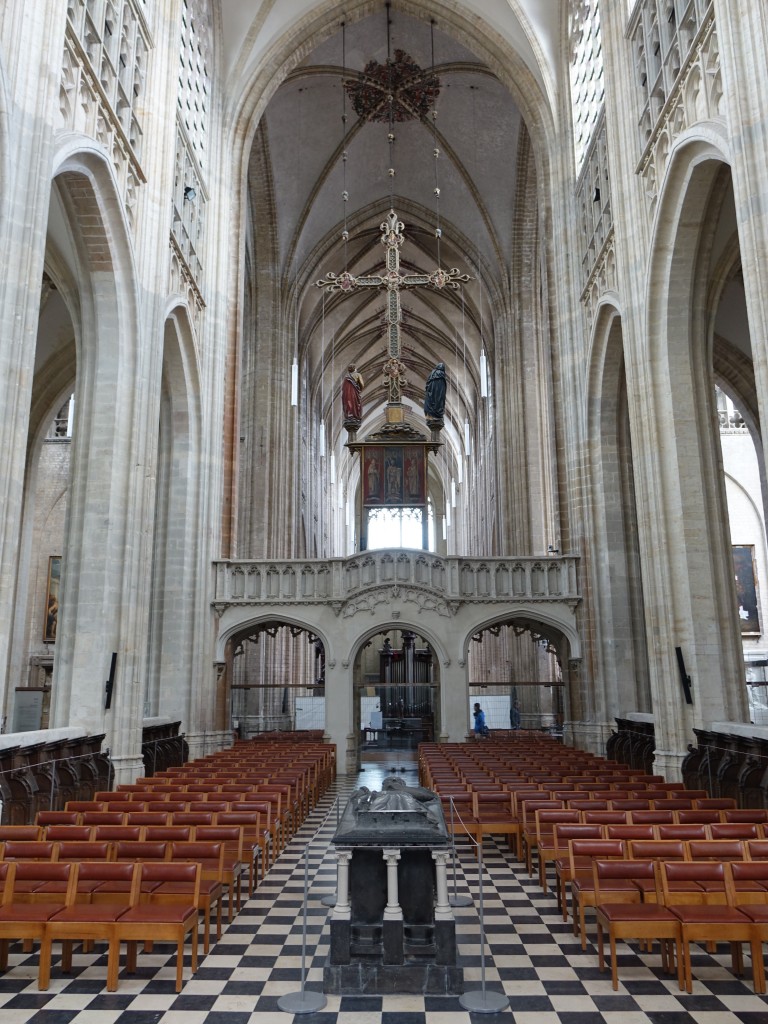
351	395
434	394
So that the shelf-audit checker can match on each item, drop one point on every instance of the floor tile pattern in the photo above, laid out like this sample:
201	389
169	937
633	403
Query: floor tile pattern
279	941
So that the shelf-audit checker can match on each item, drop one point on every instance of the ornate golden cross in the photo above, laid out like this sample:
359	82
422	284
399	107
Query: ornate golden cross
394	281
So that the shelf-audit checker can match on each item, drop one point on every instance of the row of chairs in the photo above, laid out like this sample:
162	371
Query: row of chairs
692	902
511	813
231	841
678	901
116	902
551	838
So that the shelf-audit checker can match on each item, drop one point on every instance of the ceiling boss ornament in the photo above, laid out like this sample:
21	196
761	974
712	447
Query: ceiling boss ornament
397	90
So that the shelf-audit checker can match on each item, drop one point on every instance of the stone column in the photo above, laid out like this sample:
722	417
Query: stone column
445	924
443	910
341	918
339	727
392	931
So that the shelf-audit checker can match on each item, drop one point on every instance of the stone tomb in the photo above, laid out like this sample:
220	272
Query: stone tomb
392	929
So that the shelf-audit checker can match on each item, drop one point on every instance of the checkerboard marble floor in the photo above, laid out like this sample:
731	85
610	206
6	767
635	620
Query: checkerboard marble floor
531	956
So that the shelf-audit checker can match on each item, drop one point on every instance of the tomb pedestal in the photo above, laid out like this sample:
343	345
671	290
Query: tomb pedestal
392	929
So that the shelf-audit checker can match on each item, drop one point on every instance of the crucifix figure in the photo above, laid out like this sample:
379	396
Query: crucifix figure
394	282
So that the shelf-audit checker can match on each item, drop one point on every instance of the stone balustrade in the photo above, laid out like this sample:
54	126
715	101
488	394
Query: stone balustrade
454	580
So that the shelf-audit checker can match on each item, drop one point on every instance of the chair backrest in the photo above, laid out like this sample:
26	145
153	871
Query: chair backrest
28	833
22	849
231	835
655	817
528	809
46	818
103	872
128	850
630	804
167	833
84	805
605	817
749	871
67	833
703	872
79	851
721	803
112	795
735	830
170	872
193	817
757	849
627	832
147	818
102	818
757	815
116	833
715	849
564	833
657	849
252	822
581	849
43	871
682	831
167	806
209	855
626	870
696	817
546	819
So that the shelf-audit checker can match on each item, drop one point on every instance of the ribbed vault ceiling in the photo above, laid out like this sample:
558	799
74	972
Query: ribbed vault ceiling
482	143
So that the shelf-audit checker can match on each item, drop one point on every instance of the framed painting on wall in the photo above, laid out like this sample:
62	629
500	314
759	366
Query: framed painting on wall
746	588
51	617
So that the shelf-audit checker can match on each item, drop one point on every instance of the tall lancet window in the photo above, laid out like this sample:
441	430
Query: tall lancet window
587	89
194	80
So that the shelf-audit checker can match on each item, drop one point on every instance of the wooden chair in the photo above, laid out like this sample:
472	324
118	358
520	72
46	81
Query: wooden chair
714	919
545	842
631	919
90	921
255	838
234	861
562	859
582	882
20	919
210	857
160	921
527	825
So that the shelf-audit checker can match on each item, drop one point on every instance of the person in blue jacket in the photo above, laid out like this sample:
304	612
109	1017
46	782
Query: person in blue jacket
481	729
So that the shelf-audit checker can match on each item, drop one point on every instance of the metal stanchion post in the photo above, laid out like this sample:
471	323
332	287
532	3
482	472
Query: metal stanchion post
329	900
456	900
482	1001
303	1001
